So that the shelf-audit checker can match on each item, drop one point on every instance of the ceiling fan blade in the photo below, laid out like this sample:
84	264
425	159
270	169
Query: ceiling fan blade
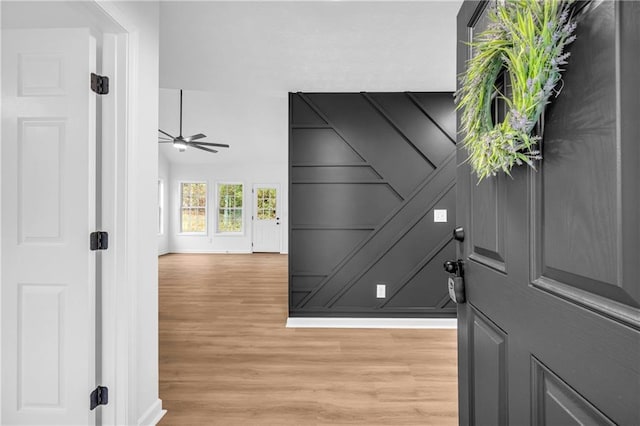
165	133
164	141
203	148
195	137
221	145
162	138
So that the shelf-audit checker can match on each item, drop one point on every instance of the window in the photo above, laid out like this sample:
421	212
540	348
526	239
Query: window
266	198
230	207
193	207
160	207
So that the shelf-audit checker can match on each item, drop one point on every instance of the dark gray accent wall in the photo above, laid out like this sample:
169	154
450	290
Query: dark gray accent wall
366	172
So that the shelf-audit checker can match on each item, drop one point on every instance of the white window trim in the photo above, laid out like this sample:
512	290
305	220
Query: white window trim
161	208
244	207
206	210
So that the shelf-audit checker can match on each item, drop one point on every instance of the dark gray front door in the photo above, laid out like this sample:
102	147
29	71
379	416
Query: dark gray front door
550	333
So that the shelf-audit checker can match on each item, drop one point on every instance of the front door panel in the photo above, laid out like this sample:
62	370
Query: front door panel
551	331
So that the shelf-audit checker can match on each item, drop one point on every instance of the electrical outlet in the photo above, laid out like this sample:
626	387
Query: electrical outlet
381	291
440	215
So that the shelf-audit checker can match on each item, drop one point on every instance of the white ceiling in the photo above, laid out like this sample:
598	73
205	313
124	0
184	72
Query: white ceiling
250	54
56	14
255	128
308	46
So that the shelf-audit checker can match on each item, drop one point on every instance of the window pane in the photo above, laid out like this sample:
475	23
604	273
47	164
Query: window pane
201	220
238	195
194	220
184	195
201	190
229	220
230	195
266	200
266	214
185	220
193	207
230	217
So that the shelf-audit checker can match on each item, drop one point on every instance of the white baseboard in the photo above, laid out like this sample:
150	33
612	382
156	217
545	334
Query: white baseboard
309	322
163	252
196	251
153	415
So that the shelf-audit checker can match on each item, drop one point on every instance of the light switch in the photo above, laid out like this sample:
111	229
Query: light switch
440	215
381	291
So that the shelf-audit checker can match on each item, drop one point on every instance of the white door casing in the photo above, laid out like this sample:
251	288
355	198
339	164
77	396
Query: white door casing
266	218
48	199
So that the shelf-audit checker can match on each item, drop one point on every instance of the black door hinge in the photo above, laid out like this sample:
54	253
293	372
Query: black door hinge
100	396
100	84
99	240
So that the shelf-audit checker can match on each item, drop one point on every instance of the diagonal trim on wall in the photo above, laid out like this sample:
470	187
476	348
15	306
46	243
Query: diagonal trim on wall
404	281
324	117
419	105
382	112
371	238
444	168
389	246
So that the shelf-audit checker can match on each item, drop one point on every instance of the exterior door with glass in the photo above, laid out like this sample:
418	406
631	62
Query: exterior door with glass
266	218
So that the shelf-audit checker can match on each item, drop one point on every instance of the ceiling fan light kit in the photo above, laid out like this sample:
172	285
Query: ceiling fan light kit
181	143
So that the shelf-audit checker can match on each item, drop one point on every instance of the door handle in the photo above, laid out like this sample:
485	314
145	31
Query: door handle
458	233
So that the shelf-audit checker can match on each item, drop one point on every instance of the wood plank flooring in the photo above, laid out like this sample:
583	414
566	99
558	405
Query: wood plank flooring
226	357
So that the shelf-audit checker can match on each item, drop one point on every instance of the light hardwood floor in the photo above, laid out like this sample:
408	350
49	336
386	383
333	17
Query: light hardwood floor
226	357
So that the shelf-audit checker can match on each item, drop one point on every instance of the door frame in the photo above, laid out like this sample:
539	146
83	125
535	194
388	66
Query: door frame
254	211
118	271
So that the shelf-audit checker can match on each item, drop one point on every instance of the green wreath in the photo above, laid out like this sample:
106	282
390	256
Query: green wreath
527	38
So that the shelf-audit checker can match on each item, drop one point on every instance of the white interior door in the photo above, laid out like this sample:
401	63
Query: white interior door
266	218
48	212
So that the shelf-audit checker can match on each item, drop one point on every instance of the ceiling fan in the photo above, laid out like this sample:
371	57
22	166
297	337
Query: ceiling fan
182	143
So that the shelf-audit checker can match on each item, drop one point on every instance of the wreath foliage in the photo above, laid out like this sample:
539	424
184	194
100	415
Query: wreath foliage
527	38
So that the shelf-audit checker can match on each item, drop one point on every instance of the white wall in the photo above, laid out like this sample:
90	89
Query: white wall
244	57
164	174
247	174
255	125
143	237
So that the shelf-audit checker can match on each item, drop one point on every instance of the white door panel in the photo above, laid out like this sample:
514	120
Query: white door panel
48	211
266	218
